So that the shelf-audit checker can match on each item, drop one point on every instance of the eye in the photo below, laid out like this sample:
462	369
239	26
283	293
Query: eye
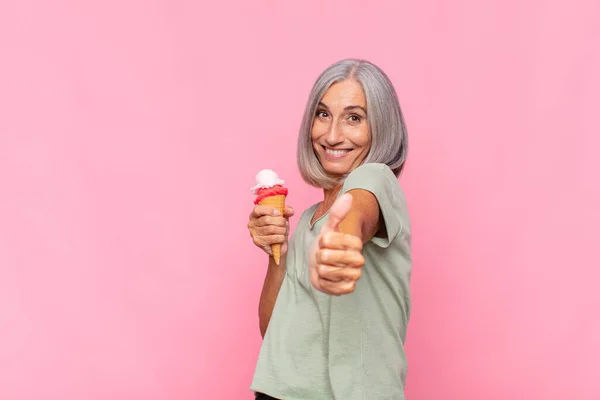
322	114
355	118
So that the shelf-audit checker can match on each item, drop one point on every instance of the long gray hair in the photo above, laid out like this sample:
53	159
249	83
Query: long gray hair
389	138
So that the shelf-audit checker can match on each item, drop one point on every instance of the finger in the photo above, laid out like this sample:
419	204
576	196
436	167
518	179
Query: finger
340	258
270	230
329	273
268	220
314	277
268	240
273	239
267	249
260	211
337	288
262	243
338	212
288	212
338	274
340	241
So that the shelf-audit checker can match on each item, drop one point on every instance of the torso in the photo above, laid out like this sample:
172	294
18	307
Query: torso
348	347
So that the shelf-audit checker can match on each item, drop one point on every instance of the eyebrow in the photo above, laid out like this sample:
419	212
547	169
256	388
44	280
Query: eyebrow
352	107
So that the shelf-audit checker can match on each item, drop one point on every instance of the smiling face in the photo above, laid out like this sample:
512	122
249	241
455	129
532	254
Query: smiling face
340	132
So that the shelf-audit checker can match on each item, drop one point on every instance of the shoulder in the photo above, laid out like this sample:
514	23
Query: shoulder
374	177
370	168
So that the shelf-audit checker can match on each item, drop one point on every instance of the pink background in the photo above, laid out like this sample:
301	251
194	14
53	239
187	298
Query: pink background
124	274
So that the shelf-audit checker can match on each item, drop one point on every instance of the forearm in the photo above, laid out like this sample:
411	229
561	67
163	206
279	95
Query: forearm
270	290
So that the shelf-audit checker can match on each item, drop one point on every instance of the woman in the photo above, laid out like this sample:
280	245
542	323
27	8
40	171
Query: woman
333	314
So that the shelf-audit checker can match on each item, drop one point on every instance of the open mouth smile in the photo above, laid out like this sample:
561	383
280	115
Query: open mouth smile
336	153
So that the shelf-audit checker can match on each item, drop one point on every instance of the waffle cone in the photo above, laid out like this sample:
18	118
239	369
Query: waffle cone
279	203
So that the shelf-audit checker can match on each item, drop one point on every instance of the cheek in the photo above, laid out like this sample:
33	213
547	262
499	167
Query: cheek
317	130
361	137
313	134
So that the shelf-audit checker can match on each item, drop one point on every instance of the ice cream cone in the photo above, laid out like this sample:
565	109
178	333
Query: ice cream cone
269	191
278	202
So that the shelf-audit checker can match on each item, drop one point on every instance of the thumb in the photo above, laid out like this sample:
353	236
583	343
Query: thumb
338	212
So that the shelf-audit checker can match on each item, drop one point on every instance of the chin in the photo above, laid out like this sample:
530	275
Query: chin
340	166
336	170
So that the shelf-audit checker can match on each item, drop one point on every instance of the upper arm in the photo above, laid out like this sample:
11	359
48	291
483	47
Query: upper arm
378	212
363	218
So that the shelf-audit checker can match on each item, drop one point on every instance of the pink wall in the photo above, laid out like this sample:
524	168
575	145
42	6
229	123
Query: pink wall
123	274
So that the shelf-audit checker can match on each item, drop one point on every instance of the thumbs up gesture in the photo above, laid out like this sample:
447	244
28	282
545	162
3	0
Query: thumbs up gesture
336	260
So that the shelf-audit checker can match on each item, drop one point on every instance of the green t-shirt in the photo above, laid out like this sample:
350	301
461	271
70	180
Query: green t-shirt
345	347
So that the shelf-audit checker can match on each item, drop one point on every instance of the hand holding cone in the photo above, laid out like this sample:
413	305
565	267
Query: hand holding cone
278	202
269	191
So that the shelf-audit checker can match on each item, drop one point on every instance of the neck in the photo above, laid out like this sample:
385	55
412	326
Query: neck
329	196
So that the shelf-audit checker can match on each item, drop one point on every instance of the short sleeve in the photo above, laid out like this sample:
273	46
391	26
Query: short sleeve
383	184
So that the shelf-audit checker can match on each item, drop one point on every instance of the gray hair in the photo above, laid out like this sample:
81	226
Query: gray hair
389	138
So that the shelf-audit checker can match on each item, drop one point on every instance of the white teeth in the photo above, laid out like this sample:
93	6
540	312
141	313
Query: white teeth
336	153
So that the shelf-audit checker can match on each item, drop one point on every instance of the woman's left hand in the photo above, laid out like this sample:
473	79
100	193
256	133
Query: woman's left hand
336	260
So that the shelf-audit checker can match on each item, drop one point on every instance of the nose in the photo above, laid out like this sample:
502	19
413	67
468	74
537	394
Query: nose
334	135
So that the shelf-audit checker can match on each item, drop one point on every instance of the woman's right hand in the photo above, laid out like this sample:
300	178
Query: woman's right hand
267	227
